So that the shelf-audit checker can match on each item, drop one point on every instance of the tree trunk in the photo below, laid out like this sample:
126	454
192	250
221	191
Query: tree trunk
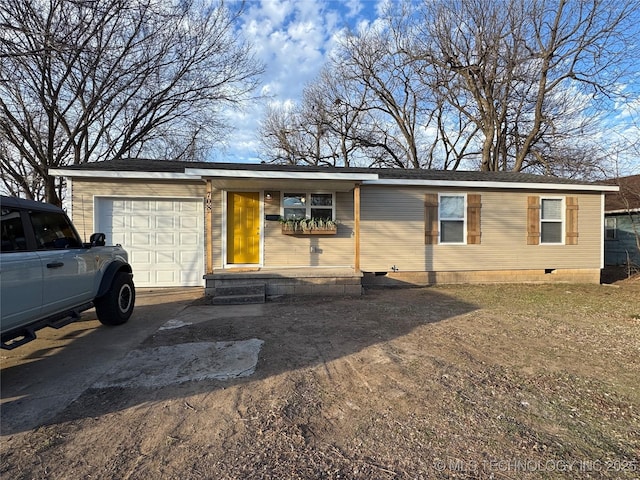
51	195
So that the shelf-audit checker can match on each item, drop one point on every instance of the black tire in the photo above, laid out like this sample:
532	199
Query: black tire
116	306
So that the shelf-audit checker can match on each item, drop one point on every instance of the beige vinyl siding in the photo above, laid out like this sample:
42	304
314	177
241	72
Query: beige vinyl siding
295	251
393	234
84	192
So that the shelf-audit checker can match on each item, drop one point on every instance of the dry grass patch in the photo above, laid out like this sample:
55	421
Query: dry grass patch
500	381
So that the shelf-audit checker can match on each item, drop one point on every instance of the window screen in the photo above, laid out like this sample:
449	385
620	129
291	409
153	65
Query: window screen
551	220
451	213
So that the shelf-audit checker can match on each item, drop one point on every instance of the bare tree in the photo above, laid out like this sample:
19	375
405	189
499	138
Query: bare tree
373	61
88	81
280	136
515	69
325	128
363	108
342	106
297	134
383	106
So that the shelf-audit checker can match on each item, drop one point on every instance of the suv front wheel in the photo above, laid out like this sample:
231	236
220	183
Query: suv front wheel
116	306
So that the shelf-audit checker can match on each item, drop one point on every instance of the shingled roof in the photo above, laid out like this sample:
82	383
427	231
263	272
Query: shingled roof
169	166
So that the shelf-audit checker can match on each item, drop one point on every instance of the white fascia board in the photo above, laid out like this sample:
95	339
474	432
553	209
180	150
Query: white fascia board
204	172
63	172
493	185
623	210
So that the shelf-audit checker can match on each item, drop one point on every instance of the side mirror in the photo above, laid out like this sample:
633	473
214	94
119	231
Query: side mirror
97	239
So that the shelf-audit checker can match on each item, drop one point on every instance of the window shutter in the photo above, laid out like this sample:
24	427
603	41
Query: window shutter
572	220
431	219
533	220
474	206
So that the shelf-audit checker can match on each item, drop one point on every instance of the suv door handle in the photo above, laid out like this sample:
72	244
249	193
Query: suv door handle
55	265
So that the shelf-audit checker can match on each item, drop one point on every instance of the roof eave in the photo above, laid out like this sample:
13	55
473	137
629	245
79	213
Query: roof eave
281	174
364	178
200	173
66	172
494	185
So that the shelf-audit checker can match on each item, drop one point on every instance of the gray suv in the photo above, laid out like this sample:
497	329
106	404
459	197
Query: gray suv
48	276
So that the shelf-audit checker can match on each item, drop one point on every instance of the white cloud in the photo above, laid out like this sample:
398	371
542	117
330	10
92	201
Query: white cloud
354	8
292	38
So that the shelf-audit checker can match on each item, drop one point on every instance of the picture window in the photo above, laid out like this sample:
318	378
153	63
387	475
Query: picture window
296	206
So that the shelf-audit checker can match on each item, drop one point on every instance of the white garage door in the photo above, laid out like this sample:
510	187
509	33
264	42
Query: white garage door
164	238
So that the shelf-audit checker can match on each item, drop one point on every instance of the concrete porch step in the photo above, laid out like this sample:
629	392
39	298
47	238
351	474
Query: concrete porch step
289	281
239	294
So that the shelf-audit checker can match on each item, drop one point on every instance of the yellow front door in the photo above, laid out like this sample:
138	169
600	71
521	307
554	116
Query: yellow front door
243	227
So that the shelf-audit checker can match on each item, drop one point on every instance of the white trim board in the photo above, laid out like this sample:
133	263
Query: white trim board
493	185
204	172
365	178
63	172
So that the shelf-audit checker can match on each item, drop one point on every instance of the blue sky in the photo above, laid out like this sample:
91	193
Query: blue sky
293	37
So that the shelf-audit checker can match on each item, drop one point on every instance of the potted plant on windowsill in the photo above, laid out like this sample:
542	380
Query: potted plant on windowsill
289	227
309	226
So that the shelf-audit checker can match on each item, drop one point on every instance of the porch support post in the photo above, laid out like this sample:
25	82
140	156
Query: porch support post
356	225
208	213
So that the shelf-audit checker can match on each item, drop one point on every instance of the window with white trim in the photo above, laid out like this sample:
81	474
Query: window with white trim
296	206
452	218
610	227
551	221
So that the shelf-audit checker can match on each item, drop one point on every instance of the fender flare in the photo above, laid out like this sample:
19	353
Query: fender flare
112	270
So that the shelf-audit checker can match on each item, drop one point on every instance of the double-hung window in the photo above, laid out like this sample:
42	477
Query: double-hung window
551	221
296	206
452	218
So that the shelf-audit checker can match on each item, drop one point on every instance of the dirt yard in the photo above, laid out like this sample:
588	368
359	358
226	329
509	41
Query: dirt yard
515	381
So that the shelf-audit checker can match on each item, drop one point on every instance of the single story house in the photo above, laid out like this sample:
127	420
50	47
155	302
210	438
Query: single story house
622	222
211	224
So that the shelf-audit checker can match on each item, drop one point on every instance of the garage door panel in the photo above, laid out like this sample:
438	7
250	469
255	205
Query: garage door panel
164	238
189	208
165	206
165	258
188	239
116	238
140	257
189	258
186	277
141	239
142	278
140	221
118	221
143	206
189	222
118	205
164	277
165	222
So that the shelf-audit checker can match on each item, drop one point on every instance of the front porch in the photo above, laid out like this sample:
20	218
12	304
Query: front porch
283	281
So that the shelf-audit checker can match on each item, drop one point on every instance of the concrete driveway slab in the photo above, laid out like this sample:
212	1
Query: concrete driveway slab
41	378
184	362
